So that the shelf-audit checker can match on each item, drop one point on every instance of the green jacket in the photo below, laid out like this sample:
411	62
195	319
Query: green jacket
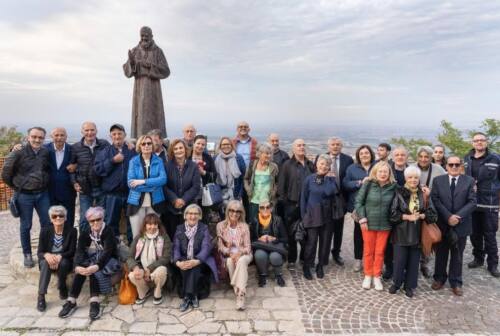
375	205
134	258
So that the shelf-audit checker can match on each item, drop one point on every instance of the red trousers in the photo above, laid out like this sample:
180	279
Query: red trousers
374	243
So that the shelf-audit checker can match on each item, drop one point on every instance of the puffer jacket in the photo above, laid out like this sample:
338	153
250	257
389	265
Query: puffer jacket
406	233
154	183
26	171
85	174
375	204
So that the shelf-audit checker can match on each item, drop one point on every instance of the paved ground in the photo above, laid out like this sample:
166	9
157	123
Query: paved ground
336	304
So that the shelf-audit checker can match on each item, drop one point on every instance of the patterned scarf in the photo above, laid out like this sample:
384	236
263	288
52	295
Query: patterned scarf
190	233
413	204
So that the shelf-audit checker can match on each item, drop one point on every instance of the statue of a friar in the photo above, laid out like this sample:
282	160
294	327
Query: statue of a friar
147	64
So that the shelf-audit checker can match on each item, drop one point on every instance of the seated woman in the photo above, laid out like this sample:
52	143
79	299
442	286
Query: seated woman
407	212
56	249
269	230
95	258
192	255
233	241
148	259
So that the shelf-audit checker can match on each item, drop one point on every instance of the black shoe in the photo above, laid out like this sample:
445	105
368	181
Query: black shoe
320	273
425	272
307	273
195	302
262	280
280	281
63	293
41	305
409	292
338	260
68	309
494	271
387	275
393	289
475	263
94	311
184	304
28	261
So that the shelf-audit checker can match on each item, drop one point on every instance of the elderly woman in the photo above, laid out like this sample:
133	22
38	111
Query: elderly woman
356	175
315	209
230	168
96	259
148	260
192	255
233	241
146	178
372	205
261	180
271	236
407	212
56	249
183	185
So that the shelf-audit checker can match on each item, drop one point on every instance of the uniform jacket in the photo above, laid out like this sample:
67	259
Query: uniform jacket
488	181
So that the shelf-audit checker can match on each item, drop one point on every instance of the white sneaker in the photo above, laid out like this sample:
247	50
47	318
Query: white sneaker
367	282
357	265
377	283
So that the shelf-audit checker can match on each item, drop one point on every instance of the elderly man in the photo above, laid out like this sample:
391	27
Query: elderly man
61	191
148	65
484	166
85	180
454	198
244	144
188	134
340	162
111	164
279	155
27	171
291	179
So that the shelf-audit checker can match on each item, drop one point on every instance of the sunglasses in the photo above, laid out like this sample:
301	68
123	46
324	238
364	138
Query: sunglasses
451	165
264	207
235	211
57	216
146	144
95	220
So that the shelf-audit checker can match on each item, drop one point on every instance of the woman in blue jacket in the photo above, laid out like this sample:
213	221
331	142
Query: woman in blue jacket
146	178
356	174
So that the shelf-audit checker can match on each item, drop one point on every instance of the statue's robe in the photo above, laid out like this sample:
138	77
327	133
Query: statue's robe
147	102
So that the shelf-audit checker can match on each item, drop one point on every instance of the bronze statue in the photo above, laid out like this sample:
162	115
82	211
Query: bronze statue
148	65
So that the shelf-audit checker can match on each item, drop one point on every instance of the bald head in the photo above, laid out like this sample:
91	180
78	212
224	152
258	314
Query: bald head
299	148
59	137
189	132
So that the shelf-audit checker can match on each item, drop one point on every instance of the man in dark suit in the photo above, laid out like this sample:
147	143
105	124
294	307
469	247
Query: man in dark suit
454	198
340	162
61	191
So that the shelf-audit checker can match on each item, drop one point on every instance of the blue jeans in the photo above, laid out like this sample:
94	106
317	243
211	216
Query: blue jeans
27	202
96	198
116	205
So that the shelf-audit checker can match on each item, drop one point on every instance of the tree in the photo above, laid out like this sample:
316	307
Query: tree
452	138
490	127
8	137
411	145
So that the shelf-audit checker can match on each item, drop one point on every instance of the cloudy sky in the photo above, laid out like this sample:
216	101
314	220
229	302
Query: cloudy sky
268	62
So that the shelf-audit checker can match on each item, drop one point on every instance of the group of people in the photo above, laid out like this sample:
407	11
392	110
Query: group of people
271	203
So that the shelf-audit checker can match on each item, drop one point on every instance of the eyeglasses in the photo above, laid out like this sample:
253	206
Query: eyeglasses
95	220
264	207
455	165
479	140
146	144
57	216
235	211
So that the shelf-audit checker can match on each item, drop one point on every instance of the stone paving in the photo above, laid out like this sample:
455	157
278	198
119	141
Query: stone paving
333	305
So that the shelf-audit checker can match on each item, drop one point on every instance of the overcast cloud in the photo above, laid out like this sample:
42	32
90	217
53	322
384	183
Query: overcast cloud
386	62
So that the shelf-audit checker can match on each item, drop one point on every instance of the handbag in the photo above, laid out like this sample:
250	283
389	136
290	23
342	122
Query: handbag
270	247
300	232
13	206
430	235
338	206
220	261
211	194
128	293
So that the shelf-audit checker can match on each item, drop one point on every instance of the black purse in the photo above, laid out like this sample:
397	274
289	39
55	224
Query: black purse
13	206
300	231
270	247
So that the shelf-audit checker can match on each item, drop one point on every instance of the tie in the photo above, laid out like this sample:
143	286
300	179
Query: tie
452	189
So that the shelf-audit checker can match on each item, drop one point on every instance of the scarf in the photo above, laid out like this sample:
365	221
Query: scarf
190	233
96	247
413	204
264	222
149	253
227	169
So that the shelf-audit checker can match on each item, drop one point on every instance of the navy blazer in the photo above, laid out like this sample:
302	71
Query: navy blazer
465	203
60	186
186	186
